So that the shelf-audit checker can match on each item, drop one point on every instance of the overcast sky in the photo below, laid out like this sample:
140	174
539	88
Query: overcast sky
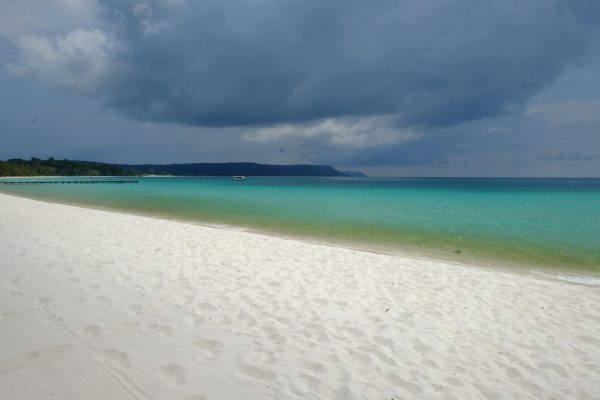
389	87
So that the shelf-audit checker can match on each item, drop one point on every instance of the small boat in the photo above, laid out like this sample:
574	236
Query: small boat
239	178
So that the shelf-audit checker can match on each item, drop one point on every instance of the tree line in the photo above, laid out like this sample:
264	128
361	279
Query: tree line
52	167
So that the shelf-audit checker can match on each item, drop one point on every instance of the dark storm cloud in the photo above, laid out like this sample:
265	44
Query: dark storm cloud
429	64
433	148
462	87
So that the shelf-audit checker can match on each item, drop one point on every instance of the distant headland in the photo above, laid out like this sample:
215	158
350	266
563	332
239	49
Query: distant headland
53	167
236	168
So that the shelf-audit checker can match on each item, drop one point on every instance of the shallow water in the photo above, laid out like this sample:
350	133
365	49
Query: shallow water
552	223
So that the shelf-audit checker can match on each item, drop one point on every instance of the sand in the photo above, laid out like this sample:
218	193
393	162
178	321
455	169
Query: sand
102	305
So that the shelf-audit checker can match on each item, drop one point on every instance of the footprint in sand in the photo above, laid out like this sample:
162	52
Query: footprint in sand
116	358
410	387
589	339
47	353
209	349
354	332
302	385
311	382
274	284
376	351
135	309
453	381
105	300
195	320
173	373
187	299
423	349
252	372
206	307
315	367
44	301
383	341
55	318
283	320
345	393
556	368
94	288
91	330
161	329
320	301
277	338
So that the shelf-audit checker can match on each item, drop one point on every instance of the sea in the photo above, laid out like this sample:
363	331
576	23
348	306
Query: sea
548	225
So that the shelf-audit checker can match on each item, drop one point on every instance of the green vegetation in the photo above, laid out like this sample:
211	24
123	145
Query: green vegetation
50	167
236	168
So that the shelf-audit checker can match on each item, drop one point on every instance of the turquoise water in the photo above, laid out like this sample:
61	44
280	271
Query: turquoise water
553	223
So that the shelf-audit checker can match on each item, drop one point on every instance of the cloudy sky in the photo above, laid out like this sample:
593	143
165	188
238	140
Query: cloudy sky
389	87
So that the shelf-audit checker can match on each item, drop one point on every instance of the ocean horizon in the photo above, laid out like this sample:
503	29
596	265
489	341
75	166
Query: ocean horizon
545	223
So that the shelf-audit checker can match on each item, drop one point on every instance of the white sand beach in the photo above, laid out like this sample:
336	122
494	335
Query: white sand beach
103	305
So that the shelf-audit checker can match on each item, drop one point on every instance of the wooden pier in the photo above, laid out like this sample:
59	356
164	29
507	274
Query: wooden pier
70	182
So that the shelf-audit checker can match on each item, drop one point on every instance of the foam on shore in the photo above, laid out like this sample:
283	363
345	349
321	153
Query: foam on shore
97	305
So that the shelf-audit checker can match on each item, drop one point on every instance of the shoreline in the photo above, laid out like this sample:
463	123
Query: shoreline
97	304
563	274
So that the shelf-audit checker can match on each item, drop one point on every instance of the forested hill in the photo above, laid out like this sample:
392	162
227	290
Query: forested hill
236	168
38	167
52	167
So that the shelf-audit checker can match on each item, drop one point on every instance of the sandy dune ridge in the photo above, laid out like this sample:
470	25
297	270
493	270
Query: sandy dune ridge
101	305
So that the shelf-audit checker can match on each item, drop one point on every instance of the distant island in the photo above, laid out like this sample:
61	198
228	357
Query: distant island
53	167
